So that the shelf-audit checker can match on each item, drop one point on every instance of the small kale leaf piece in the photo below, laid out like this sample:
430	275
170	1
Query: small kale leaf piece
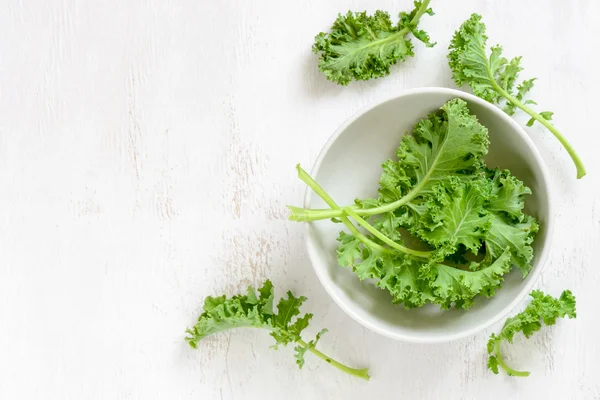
543	309
359	46
252	311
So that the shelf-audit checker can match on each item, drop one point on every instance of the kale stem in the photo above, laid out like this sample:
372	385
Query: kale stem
371	229
306	178
307	215
360	373
420	12
504	366
574	156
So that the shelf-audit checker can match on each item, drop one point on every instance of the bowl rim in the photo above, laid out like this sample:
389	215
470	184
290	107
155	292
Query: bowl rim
348	309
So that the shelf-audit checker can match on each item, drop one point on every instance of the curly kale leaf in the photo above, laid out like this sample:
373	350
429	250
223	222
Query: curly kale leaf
405	279
542	309
456	215
252	311
492	77
510	227
361	47
454	286
448	142
517	237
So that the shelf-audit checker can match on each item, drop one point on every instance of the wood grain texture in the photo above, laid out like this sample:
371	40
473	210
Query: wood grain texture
147	152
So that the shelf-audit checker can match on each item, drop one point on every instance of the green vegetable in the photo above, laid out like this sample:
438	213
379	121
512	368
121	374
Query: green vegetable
493	77
440	191
252	311
542	309
360	47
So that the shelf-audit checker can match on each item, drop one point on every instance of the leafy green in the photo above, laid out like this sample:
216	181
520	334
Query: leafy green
468	217
301	350
508	195
510	227
403	278
448	142
252	311
542	309
459	287
449	286
360	46
517	237
456	216
493	77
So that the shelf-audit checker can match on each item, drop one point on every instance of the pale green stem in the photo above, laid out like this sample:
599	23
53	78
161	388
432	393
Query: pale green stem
420	12
360	373
300	214
574	156
371	229
306	178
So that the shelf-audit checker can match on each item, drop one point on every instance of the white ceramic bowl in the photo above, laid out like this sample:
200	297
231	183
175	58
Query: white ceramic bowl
349	166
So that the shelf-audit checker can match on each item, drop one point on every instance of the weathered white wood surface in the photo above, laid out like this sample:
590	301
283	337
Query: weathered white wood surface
147	151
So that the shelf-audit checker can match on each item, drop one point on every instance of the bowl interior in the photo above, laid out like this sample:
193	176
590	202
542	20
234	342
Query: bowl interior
350	167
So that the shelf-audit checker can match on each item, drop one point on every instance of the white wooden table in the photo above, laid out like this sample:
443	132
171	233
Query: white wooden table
147	152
